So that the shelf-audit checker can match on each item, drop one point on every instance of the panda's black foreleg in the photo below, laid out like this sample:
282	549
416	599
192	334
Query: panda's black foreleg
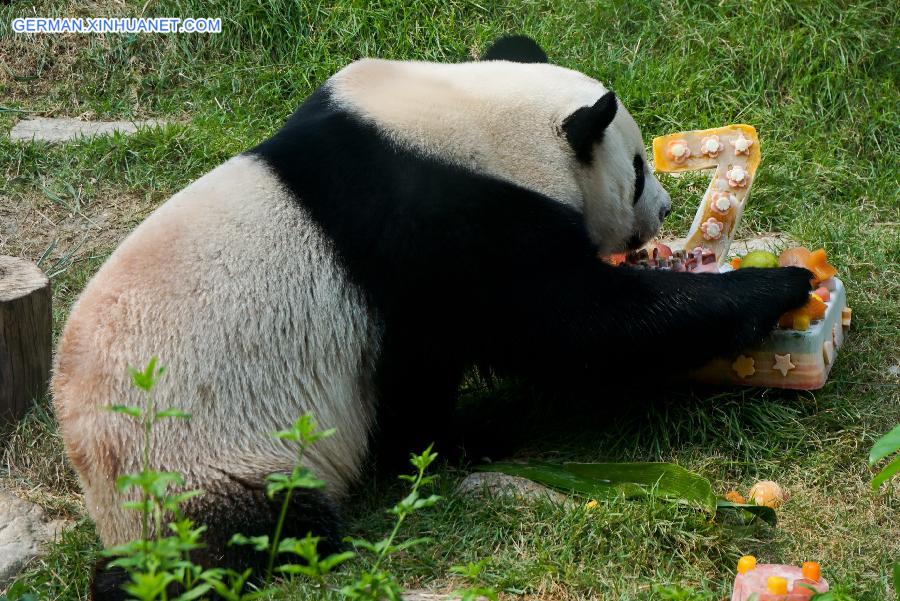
417	390
588	316
504	276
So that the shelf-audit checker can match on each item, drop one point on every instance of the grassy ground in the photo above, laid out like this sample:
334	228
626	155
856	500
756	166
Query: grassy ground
819	80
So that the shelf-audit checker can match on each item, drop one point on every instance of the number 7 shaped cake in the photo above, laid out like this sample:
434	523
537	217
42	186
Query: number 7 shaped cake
800	353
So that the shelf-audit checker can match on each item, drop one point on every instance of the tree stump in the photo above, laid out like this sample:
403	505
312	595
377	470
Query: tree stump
25	336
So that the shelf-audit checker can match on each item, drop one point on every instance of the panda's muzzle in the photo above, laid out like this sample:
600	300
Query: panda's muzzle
635	242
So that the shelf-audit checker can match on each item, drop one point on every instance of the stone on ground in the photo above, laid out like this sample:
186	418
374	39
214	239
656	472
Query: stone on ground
495	484
24	530
61	129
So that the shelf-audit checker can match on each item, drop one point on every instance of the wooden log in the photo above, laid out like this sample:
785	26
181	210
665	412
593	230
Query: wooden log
26	332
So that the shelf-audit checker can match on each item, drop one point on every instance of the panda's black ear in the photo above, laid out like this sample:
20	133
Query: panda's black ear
585	127
515	48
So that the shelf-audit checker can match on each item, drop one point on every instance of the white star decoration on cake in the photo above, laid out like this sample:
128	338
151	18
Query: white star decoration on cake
783	364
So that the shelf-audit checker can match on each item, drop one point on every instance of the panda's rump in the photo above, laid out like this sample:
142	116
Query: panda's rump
239	295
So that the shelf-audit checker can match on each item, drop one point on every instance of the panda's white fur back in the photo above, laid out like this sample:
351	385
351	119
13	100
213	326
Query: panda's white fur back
239	294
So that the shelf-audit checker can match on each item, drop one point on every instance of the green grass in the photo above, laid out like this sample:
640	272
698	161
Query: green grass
819	80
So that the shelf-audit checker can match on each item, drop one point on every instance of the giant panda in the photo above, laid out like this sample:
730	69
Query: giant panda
409	220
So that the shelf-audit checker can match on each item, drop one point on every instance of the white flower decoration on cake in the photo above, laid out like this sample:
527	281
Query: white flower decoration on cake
741	144
721	202
710	146
712	229
737	177
679	151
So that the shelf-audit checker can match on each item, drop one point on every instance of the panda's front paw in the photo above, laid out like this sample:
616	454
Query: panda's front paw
779	289
789	288
768	294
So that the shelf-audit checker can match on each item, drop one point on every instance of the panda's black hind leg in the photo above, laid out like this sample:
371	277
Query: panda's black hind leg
250	512
107	583
244	510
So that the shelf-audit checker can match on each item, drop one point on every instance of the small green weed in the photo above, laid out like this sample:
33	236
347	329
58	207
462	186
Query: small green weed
158	564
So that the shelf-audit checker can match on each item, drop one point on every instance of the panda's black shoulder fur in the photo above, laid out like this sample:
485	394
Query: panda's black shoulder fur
461	267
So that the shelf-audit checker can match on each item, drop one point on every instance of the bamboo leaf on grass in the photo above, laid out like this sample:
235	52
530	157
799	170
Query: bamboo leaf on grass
666	480
766	514
889	470
612	480
885	445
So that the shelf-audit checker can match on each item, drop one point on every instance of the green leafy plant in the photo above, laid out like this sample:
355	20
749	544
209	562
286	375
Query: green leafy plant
472	573
375	583
157	563
304	433
887	445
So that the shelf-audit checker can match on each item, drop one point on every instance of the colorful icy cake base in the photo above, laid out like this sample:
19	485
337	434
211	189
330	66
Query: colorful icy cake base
788	358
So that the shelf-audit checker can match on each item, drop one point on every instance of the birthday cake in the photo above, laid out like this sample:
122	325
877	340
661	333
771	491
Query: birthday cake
798	354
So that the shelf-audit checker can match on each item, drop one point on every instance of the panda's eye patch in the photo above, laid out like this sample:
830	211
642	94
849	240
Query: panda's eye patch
638	177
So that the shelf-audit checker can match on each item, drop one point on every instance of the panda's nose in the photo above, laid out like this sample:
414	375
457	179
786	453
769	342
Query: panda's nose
666	208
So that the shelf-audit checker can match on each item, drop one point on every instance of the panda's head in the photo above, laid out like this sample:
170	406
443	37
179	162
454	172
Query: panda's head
624	204
513	115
